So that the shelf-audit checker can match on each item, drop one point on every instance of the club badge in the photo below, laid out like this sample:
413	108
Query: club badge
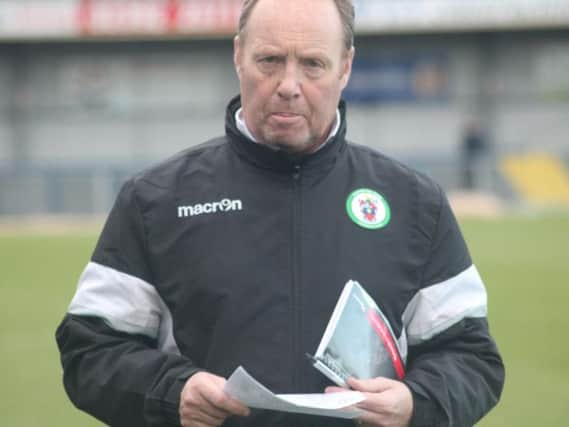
368	209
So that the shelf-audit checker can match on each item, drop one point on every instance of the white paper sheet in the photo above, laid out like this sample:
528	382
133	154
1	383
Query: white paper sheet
243	387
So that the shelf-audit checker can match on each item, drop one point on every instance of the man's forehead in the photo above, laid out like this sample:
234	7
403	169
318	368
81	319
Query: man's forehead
288	39
313	23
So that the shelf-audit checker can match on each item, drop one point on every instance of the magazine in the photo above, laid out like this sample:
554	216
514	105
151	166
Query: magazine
358	341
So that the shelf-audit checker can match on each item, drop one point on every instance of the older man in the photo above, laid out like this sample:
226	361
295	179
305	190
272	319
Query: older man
234	253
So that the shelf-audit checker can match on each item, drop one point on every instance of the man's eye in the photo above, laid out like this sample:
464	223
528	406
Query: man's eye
313	63
313	68
269	60
269	64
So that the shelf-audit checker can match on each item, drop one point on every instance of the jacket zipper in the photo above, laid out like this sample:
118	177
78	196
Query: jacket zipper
296	257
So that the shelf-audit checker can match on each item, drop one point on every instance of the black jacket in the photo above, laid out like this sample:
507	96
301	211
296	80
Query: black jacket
232	254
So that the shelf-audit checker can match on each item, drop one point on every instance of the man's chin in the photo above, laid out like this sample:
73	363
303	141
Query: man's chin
294	146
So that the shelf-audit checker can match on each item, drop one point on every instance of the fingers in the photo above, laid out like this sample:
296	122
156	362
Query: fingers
212	392
199	419
204	403
373	385
334	389
387	403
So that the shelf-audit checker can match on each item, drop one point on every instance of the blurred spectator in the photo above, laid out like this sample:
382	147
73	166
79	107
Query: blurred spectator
474	152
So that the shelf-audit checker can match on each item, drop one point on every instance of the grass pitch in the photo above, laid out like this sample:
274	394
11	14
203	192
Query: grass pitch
523	261
525	265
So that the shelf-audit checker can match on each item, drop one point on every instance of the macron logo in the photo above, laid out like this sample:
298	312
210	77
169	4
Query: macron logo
225	205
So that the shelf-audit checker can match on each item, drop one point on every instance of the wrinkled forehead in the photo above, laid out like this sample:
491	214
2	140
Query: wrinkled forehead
313	23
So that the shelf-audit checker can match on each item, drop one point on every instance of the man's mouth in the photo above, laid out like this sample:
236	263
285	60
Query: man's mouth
285	114
285	117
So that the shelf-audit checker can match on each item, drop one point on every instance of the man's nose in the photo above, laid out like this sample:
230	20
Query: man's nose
290	83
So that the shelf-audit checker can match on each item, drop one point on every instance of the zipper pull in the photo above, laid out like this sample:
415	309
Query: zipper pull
296	173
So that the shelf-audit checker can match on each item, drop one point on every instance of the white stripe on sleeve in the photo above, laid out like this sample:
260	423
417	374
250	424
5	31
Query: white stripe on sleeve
126	303
442	305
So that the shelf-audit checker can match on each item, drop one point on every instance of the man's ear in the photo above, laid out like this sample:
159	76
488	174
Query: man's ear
347	66
237	55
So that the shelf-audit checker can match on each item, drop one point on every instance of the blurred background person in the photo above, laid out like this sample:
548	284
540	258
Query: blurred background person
474	153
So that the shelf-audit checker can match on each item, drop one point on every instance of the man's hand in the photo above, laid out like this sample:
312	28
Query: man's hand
388	403
203	403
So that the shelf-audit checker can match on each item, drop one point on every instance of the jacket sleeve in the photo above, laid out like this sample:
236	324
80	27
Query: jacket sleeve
120	360
454	370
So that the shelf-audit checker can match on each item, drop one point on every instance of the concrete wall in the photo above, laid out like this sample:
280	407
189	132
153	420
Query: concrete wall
118	103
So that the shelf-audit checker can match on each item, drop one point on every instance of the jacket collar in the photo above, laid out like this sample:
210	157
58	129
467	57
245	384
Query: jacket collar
280	160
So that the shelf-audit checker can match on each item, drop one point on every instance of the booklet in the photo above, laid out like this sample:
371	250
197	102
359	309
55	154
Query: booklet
358	341
252	393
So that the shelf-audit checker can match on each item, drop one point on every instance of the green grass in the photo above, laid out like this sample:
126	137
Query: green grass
36	285
524	262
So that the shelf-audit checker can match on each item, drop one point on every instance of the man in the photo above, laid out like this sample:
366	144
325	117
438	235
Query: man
234	253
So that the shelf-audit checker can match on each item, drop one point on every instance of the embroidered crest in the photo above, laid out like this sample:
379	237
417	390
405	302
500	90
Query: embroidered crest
368	209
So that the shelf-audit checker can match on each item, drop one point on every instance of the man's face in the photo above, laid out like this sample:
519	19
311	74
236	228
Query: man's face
292	65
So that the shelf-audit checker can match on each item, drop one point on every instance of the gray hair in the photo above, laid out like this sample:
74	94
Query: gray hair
345	9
